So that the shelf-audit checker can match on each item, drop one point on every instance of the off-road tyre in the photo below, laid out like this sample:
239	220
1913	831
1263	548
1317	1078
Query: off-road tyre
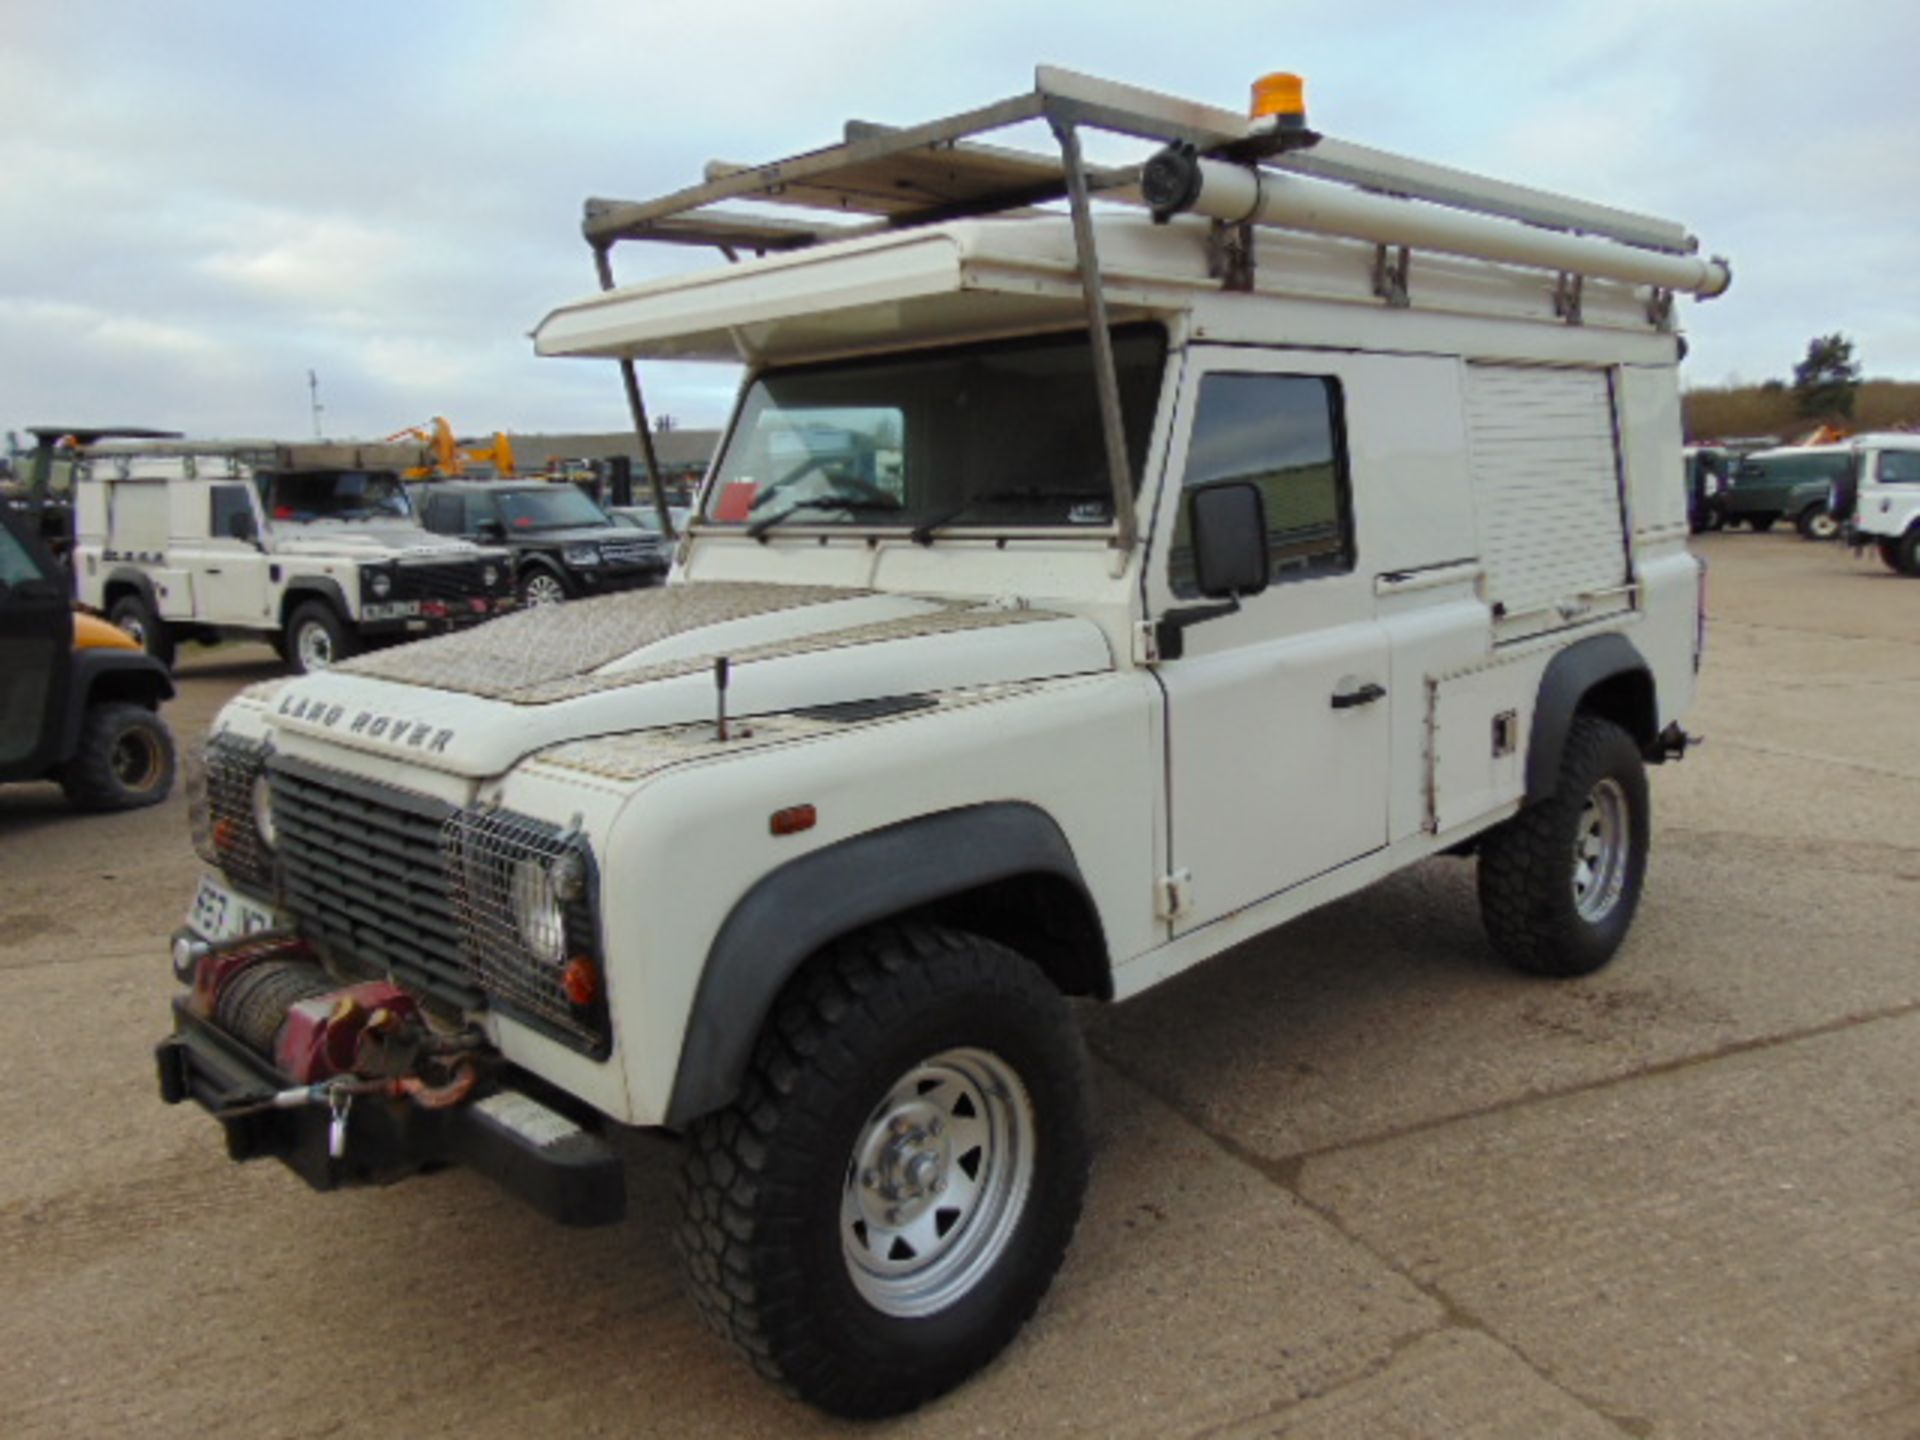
768	1184
316	638
133	615
1761	523
1906	553
1816	522
1530	866
125	759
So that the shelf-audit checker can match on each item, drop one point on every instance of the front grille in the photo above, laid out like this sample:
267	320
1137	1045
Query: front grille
628	552
458	580
403	884
233	763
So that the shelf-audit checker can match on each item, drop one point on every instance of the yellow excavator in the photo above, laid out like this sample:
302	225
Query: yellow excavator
447	458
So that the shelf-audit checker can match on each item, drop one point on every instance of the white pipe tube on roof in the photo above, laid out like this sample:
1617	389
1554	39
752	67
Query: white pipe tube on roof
1237	193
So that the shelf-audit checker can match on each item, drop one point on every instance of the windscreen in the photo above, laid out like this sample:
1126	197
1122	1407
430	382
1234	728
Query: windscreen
1003	434
554	507
334	495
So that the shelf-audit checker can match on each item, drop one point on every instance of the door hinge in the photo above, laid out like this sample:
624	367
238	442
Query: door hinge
1146	643
1173	895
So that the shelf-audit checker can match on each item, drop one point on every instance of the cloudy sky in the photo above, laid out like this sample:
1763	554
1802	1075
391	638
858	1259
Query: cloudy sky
203	200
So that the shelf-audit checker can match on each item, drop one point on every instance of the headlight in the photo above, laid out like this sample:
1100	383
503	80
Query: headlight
581	555
380	584
199	807
263	812
537	914
490	576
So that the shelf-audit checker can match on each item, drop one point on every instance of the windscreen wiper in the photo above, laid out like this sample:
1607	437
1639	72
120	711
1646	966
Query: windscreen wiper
923	532
852	504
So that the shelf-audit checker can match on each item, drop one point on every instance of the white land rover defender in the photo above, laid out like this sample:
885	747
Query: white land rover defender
1879	501
314	547
1075	596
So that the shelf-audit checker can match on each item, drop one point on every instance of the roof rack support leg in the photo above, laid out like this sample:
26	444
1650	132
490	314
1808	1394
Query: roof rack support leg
1230	254
637	405
1390	273
1566	296
1106	378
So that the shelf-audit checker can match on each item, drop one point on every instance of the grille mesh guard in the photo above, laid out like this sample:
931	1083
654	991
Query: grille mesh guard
489	853
231	764
401	884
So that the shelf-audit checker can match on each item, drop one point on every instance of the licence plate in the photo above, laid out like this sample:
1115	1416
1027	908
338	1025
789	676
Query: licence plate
220	913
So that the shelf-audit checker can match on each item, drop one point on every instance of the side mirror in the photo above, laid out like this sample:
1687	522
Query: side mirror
1228	523
241	526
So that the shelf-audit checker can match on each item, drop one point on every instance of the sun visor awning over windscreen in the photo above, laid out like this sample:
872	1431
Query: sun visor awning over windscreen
939	283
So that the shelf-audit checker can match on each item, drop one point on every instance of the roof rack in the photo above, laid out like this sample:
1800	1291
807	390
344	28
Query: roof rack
882	178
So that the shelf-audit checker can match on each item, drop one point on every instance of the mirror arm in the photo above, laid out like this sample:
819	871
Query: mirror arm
1169	631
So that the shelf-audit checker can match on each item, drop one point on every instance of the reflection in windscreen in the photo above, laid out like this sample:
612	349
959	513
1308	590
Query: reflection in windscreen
335	495
1002	433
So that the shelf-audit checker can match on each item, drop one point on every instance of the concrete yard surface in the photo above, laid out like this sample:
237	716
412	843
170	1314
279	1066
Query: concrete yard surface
1354	1179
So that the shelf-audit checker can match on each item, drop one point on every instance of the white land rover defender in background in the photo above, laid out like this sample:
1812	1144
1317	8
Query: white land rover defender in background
1879	501
313	547
1075	596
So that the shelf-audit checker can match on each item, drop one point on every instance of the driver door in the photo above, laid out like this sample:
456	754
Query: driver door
1277	733
36	654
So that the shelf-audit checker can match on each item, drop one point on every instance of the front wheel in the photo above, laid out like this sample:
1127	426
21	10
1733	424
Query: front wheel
540	586
125	759
887	1201
316	638
1906	553
1559	882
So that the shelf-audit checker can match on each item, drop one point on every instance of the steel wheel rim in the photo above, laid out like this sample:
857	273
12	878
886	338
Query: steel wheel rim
315	647
134	760
1602	846
937	1182
1824	527
136	630
544	590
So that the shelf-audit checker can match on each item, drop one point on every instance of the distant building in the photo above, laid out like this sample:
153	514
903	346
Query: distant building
683	454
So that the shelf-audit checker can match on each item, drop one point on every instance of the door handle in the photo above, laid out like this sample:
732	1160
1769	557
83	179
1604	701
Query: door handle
1365	695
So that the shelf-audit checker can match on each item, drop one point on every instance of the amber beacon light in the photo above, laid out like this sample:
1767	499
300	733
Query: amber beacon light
1282	95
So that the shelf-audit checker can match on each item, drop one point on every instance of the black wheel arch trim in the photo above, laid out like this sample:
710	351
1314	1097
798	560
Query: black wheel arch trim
302	588
125	576
102	676
791	913
1571	676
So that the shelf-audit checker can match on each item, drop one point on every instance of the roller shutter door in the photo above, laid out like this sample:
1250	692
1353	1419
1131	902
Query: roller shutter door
1547	503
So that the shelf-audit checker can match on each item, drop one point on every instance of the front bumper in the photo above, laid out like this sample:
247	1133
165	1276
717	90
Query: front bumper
430	617
610	579
529	1149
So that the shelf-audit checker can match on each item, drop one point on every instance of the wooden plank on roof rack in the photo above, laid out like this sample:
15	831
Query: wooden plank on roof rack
730	228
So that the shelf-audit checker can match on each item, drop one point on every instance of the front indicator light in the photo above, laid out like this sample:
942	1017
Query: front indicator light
581	981
263	825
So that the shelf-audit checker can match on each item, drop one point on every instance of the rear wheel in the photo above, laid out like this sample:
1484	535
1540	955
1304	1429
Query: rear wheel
884	1205
125	759
1889	553
1559	882
132	614
1816	522
316	638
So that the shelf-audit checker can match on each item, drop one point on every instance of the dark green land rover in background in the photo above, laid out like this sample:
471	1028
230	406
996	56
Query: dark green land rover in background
1792	484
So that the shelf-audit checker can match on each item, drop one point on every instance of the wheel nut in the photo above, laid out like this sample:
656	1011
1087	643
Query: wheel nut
893	1215
936	1125
939	1187
870	1179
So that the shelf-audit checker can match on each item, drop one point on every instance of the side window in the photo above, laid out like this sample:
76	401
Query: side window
480	509
16	561
227	502
1900	467
443	514
1284	433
